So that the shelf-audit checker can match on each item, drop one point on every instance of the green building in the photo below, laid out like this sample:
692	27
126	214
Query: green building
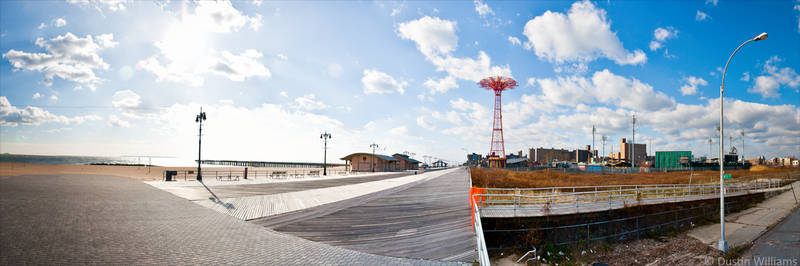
673	159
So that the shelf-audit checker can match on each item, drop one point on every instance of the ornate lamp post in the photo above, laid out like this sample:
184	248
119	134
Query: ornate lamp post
325	136
199	119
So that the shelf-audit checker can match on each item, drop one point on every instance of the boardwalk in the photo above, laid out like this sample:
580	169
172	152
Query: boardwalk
429	220
104	220
194	191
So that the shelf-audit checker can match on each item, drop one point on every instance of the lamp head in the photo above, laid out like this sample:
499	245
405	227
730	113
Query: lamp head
762	36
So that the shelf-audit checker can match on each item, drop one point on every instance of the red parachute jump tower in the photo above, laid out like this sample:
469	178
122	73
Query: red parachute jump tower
497	153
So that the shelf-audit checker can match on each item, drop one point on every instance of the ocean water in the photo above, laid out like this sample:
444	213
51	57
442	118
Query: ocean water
84	160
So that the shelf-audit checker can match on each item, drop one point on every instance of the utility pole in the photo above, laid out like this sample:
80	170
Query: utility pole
633	143
373	146
743	158
709	148
199	119
594	154
604	138
325	136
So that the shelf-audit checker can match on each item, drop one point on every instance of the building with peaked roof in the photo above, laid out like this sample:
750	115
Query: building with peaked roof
366	162
406	163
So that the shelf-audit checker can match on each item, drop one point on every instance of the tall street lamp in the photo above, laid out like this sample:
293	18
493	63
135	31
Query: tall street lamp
325	136
723	244
373	146
199	119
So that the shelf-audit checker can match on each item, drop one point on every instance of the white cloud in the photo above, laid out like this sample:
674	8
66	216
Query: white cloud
100	5
797	7
745	76
433	36
60	22
115	121
184	52
54	98
12	116
375	81
57	130
712	2
700	16
182	70
309	103
482	8
604	87
258	2
660	35
399	131
768	85
436	39
442	85
334	70
69	57
514	40
423	122
221	16
125	99
582	35
690	88
283	93
42	26
531	81
36	96
240	67
283	57
468	68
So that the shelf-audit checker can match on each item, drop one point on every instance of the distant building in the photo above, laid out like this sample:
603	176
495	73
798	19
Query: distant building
673	159
627	150
757	161
439	163
474	159
406	163
365	162
542	156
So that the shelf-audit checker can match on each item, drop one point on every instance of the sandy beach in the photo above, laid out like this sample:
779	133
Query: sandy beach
141	173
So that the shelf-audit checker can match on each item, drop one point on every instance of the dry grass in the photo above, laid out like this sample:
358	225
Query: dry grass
499	178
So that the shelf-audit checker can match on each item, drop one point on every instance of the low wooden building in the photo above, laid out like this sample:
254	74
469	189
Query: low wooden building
406	163
366	162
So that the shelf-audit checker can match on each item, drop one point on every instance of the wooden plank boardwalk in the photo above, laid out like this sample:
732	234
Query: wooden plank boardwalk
428	220
195	192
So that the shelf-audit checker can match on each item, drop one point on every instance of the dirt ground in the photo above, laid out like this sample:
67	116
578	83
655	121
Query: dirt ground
498	178
679	250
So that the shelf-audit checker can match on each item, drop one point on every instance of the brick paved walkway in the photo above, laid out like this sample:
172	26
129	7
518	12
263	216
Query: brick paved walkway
85	219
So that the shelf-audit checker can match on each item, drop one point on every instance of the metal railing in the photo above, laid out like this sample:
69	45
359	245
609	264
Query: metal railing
252	174
483	253
552	199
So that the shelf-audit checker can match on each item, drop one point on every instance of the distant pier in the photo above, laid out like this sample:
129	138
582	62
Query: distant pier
268	164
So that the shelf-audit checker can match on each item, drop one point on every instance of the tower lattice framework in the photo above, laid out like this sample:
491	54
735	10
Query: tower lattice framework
497	153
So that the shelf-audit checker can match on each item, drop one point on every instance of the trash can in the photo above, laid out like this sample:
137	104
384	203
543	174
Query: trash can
169	174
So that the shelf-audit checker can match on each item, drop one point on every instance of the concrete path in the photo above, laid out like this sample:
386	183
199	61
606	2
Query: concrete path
781	243
428	220
194	190
88	219
258	206
746	226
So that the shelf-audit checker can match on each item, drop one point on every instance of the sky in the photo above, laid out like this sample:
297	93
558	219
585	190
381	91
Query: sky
115	78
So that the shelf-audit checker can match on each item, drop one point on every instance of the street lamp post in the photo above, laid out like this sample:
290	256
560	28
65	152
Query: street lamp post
325	136
723	244
199	119
373	146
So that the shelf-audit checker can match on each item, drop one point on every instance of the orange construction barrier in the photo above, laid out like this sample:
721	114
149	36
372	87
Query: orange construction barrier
472	201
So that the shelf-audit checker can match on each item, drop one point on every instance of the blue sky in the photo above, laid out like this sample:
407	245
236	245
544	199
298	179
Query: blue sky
128	77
